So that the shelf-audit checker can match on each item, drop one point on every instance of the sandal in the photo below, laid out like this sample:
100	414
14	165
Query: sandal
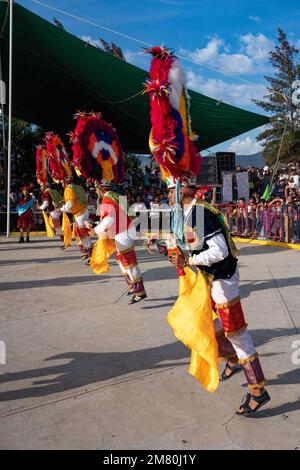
261	400
234	370
137	298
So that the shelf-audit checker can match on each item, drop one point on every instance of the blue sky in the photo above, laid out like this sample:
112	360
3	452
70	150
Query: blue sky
232	36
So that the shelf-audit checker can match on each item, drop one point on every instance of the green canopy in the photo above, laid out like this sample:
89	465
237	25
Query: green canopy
55	74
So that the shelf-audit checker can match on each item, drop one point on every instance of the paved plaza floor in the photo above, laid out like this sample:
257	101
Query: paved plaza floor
84	370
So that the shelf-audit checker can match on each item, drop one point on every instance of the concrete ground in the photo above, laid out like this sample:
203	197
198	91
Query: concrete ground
86	371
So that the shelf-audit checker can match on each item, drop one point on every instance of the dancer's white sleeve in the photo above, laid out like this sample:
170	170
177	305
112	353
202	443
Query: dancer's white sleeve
217	251
67	206
104	224
44	205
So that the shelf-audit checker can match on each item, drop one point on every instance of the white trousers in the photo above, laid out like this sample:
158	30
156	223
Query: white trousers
80	220
225	290
55	216
125	241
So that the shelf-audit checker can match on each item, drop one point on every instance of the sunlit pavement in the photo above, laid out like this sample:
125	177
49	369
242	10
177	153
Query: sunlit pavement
84	370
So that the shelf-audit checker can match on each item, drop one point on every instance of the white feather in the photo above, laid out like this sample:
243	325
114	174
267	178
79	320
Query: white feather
100	145
177	80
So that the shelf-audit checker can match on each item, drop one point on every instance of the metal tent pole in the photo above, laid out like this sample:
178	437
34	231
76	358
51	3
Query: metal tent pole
9	116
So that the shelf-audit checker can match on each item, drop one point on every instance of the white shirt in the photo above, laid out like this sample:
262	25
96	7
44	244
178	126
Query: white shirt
217	250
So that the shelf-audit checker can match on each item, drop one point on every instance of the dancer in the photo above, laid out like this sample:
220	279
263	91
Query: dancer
24	208
116	224
98	157
51	203
200	230
75	203
212	251
74	199
51	198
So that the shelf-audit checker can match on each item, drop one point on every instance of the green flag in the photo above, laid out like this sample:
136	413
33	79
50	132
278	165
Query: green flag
267	193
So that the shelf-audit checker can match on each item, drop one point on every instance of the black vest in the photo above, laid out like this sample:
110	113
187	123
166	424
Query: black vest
212	226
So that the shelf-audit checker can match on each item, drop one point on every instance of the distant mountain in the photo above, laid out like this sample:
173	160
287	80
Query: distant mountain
256	160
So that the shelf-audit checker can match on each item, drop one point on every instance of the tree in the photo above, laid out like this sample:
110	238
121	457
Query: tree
279	101
132	162
58	23
25	138
112	49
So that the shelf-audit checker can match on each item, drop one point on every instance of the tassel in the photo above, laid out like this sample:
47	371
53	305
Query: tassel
49	228
67	231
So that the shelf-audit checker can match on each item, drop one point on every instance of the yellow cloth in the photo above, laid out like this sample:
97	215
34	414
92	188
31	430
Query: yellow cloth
67	231
77	208
102	250
49	227
107	170
192	321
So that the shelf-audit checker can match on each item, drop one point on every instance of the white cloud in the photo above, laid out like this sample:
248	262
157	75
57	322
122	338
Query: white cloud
250	58
247	146
206	54
235	63
256	47
140	59
257	19
237	94
93	41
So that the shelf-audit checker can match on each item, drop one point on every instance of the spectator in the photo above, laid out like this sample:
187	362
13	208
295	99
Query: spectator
279	188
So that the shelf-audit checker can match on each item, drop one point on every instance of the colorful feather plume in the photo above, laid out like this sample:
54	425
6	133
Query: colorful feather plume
41	165
97	152
59	163
171	137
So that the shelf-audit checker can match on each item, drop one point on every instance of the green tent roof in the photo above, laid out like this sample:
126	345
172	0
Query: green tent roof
55	74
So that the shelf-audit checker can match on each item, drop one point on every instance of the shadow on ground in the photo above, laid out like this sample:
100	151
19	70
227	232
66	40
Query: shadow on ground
58	281
82	369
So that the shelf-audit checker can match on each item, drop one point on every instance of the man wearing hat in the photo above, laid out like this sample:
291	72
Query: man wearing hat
212	250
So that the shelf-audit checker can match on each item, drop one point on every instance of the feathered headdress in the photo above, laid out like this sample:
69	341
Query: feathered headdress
171	137
59	163
97	152
41	165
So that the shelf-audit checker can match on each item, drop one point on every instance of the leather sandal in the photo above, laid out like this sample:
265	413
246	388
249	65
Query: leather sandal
235	368
261	400
137	298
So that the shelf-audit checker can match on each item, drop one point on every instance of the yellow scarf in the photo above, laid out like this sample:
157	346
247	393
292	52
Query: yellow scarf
48	225
102	251
192	321
67	231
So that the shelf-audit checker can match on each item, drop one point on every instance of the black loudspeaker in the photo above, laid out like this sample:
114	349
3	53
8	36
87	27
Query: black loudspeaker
225	162
213	166
209	171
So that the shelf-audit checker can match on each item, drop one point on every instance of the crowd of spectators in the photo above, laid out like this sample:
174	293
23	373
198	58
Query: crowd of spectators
285	183
276	218
272	214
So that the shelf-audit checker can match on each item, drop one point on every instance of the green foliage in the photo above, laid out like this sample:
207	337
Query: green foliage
285	60
132	162
112	49
25	138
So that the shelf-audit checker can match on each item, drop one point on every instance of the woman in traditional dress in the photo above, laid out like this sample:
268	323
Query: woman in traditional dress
24	208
